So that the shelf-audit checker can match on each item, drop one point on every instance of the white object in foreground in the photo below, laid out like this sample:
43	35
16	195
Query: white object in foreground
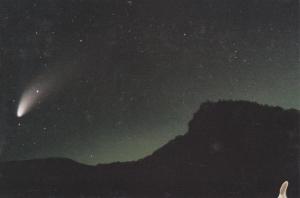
283	188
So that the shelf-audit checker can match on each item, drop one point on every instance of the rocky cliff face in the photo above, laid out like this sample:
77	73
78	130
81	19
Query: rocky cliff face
239	144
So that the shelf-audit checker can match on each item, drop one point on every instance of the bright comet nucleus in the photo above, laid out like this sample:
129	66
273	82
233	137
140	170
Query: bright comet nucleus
21	110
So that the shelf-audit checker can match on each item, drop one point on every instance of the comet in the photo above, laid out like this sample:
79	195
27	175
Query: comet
32	96
46	84
39	89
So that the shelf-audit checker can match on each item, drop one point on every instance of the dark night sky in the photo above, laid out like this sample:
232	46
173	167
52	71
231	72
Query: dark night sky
125	76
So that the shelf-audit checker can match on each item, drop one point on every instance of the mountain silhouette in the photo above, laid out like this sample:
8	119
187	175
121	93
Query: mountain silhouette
231	149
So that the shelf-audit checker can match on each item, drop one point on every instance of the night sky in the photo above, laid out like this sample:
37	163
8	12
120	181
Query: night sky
113	80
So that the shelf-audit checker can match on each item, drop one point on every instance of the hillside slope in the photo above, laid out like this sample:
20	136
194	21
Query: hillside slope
232	148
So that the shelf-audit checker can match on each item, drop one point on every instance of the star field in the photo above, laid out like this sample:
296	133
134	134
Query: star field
127	76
